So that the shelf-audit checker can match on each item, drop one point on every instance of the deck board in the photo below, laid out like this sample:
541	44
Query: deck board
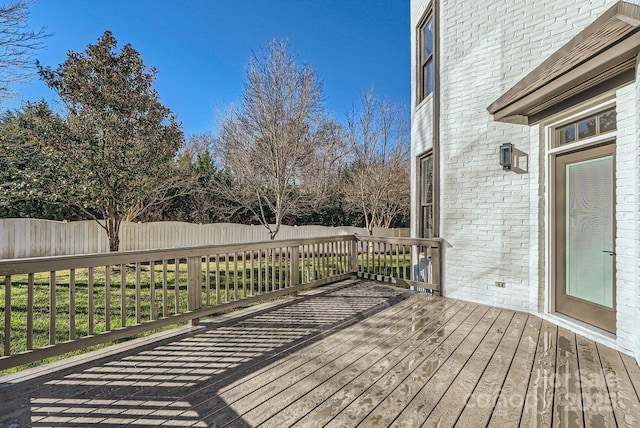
374	364
507	408
538	405
361	354
481	401
456	398
596	402
421	391
567	404
626	406
269	387
435	348
397	363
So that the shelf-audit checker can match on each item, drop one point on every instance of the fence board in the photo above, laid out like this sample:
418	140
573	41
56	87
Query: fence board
21	238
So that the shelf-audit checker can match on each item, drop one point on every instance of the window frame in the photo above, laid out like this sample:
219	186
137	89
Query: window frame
426	200
423	60
575	122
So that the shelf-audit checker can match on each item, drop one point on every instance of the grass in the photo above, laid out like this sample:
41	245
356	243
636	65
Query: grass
228	281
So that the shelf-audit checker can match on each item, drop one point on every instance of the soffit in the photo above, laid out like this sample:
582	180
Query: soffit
605	49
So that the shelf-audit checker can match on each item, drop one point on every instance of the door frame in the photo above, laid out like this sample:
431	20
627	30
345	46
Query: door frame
574	307
550	150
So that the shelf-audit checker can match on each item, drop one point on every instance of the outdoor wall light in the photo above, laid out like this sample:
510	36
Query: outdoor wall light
506	156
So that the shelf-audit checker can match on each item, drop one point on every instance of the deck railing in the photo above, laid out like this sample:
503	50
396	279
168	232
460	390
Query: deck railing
55	305
409	261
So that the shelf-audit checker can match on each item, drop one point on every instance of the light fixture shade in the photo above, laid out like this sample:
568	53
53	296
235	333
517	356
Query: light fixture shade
506	156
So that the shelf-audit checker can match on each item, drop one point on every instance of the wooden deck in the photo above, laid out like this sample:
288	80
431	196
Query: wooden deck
362	355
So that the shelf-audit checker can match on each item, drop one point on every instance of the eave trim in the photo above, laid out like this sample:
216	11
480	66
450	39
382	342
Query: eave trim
603	50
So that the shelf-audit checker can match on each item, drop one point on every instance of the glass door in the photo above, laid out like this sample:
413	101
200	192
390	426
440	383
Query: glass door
585	238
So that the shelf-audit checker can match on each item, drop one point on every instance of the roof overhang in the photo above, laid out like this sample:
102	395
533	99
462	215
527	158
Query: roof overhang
600	58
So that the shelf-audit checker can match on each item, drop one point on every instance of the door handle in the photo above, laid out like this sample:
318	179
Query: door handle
611	253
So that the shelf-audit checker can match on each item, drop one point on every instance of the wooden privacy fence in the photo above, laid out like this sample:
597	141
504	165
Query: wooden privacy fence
25	237
55	305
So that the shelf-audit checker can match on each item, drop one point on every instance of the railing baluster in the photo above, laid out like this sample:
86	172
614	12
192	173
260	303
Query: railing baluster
325	267
323	258
259	271
372	254
368	250
91	308
251	275
217	279
7	315
107	298
165	291
395	260
385	261
354	259
295	265
72	304
329	259
52	308
177	287
235	276
123	295
406	271
321	268
273	269
281	269
378	264
313	262
311	271
244	275
138	293
266	275
207	281
226	277
29	312
152	290
305	267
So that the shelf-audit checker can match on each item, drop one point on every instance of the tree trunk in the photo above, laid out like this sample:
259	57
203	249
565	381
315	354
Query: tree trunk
114	239
112	225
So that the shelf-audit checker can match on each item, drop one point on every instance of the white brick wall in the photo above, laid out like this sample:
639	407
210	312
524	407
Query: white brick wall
486	47
494	221
627	243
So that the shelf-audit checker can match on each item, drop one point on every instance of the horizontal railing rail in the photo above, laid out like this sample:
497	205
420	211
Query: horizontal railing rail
55	305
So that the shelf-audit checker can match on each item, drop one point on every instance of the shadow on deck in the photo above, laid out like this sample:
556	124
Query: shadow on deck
357	353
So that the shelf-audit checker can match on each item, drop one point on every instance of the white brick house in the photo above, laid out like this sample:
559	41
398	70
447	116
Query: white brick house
557	79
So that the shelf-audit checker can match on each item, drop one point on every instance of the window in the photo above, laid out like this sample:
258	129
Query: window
425	57
587	127
426	196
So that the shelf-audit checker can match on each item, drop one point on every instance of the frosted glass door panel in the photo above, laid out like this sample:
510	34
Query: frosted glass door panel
589	230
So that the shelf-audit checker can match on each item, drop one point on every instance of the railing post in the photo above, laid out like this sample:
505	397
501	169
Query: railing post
194	286
354	256
435	267
295	265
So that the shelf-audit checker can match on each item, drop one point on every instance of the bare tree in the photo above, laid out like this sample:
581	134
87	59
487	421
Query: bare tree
377	181
17	45
273	137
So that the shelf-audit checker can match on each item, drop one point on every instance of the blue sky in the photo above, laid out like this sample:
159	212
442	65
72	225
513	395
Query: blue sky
201	47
